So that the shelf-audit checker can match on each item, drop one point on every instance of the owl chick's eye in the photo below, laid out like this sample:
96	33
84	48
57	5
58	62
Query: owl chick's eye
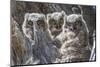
78	24
41	24
38	22
30	23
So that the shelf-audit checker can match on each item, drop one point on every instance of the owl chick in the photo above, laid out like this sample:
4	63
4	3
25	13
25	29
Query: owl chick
75	31
55	22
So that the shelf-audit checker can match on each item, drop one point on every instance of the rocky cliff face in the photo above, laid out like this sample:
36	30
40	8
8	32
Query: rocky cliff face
43	50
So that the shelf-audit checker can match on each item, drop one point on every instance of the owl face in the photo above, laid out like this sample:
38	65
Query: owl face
33	22
39	21
55	22
73	23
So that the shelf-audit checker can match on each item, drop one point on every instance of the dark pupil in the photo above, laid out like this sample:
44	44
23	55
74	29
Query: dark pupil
78	24
30	23
40	22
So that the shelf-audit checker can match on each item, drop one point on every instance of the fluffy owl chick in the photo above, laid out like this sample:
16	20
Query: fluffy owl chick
44	50
55	22
75	46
